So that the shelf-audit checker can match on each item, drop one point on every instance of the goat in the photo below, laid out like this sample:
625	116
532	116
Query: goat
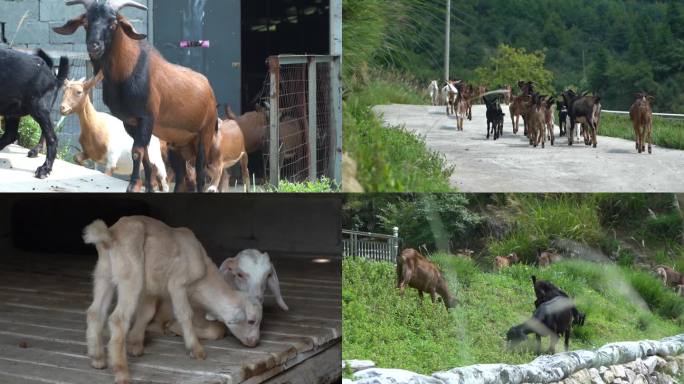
669	276
495	117
29	87
562	118
544	259
641	115
419	273
250	271
548	105
103	137
467	92
146	260
465	253
508	94
517	108
536	121
481	90
545	291
146	92
226	152
585	110
451	93
552	318
253	125
434	92
501	262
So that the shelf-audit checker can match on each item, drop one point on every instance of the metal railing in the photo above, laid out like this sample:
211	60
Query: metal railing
666	115
371	246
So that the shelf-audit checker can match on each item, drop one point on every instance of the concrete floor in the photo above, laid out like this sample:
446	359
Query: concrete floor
17	175
511	165
43	299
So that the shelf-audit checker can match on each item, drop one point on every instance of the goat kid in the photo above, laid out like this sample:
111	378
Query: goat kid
145	261
227	151
103	137
501	262
414	270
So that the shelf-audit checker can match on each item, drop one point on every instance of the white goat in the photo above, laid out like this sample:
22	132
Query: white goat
250	271
103	137
146	260
434	92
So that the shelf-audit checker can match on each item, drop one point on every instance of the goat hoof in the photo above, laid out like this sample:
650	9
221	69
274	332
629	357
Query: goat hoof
212	189
33	154
43	172
135	349
198	353
100	363
133	188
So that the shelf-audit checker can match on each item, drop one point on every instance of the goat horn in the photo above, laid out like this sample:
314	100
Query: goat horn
86	3
119	4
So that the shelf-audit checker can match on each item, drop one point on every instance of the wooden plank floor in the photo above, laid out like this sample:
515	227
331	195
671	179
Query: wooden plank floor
43	299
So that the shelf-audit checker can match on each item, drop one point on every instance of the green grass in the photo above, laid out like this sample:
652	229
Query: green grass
389	159
323	185
667	133
400	332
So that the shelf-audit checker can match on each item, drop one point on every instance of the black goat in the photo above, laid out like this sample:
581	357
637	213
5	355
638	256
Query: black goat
495	117
29	87
547	291
562	117
585	110
552	318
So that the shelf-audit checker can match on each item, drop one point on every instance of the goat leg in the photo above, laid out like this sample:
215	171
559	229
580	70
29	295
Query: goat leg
128	294
11	132
136	336
42	117
33	153
650	137
538	348
183	312
567	340
554	340
103	291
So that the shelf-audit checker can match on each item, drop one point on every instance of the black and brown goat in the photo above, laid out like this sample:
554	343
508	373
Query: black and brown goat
29	87
552	318
418	272
149	94
586	110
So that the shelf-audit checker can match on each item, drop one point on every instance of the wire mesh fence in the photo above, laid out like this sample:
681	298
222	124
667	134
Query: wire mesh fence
371	246
300	112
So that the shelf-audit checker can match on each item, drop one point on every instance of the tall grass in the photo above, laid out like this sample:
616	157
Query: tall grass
667	133
404	333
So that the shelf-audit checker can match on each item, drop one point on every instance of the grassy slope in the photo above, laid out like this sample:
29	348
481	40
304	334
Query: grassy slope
402	333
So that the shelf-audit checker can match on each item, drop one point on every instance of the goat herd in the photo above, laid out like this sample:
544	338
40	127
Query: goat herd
554	314
166	283
165	115
537	112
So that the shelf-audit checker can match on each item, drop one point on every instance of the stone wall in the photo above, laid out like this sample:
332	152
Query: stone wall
627	362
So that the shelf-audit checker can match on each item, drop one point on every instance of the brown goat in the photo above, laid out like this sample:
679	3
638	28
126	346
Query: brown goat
146	92
508	94
254	126
501	262
642	118
518	108
481	90
544	259
226	152
536	122
669	276
419	273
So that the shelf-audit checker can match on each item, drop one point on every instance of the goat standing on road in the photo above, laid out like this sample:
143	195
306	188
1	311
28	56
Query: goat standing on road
641	115
434	92
583	109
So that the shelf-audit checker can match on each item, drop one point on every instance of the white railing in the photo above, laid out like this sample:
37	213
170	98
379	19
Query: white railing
371	246
667	115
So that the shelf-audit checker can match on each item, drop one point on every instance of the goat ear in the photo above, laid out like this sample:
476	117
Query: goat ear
71	26
93	82
274	286
129	29
228	266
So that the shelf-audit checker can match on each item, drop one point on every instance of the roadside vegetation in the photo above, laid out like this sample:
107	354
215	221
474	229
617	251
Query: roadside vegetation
613	242
667	133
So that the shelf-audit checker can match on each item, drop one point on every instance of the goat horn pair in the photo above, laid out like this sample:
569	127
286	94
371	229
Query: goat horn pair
118	4
86	3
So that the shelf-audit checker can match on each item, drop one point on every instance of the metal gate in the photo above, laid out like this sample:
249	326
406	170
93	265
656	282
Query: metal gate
371	246
305	116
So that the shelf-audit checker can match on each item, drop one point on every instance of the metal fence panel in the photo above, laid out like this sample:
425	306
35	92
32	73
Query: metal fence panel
371	246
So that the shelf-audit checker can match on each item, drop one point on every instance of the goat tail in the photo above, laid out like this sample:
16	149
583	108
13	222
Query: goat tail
63	71
97	233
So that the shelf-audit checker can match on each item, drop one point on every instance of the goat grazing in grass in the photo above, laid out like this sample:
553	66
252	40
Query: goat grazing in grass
552	318
147	93
418	272
29	88
103	137
669	276
586	110
501	262
227	151
641	115
544	259
146	261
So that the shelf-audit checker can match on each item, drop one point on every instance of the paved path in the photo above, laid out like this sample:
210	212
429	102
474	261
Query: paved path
511	165
17	175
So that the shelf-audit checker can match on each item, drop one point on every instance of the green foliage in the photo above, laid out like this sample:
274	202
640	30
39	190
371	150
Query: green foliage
508	65
668	133
323	185
29	132
399	332
438	221
389	158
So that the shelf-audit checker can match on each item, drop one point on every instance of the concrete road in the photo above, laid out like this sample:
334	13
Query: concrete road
511	165
17	170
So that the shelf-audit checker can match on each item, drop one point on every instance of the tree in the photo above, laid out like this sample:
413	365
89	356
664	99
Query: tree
508	65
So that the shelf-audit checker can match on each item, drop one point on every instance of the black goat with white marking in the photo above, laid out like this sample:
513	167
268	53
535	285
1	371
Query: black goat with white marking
29	88
495	116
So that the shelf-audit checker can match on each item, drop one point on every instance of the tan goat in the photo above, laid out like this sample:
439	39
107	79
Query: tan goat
419	273
501	262
641	115
227	151
544	259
